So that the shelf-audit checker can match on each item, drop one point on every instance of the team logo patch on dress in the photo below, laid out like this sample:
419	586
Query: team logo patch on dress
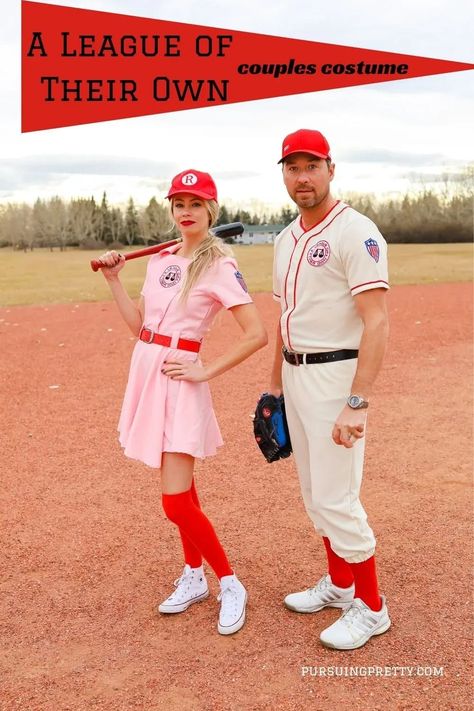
241	281
319	253
171	276
373	248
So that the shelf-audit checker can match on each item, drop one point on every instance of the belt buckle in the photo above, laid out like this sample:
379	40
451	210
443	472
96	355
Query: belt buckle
152	335
292	355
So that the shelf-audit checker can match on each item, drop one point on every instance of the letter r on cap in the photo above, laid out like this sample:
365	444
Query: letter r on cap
189	179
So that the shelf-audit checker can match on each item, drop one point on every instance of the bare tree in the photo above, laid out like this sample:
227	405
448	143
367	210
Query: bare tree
81	220
17	226
116	224
132	227
58	222
155	222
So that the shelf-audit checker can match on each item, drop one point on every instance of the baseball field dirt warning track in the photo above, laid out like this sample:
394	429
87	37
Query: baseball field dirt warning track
88	553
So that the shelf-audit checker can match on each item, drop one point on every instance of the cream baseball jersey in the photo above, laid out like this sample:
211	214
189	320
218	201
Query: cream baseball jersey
316	274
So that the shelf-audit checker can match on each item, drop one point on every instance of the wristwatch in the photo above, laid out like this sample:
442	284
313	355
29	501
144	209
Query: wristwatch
357	402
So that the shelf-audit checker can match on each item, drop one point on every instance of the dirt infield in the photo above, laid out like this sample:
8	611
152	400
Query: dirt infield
87	551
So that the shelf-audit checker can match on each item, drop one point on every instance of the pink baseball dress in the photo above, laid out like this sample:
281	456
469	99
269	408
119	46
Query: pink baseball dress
163	415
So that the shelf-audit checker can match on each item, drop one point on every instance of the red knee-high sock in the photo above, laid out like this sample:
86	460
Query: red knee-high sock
192	555
181	509
366	586
339	569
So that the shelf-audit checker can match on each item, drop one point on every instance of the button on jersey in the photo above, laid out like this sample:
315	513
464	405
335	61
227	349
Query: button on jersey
316	274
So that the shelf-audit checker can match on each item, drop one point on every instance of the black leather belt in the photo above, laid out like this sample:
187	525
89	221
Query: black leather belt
326	357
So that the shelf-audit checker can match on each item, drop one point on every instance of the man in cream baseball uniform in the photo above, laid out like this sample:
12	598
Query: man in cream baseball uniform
330	277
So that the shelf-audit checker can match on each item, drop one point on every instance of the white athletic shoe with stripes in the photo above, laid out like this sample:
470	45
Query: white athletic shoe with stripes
191	587
323	594
356	626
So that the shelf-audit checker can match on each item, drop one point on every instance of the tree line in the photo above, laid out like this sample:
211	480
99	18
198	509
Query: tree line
428	216
82	222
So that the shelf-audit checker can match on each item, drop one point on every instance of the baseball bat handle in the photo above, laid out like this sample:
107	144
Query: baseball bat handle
96	264
229	230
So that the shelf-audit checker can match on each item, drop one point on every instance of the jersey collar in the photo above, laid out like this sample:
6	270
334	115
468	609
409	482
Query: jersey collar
171	250
298	230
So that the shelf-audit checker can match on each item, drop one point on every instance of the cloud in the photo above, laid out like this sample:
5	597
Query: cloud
88	165
33	170
403	158
234	174
41	169
446	176
423	28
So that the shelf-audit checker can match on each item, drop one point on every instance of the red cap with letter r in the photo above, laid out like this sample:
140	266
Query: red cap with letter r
305	141
194	182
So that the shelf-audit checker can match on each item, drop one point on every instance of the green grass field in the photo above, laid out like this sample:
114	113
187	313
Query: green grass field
44	277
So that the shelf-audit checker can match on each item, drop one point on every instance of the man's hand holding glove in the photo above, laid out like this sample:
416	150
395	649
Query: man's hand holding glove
271	428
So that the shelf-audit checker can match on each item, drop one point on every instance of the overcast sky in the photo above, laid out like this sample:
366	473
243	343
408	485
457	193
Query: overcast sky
381	135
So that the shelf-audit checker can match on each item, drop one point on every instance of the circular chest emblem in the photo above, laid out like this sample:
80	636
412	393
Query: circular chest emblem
319	253
171	276
189	179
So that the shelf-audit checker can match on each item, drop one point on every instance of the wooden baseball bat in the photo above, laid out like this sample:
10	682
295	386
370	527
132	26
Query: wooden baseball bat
229	230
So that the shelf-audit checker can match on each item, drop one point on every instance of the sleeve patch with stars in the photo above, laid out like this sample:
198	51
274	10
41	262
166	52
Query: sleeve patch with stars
373	248
241	280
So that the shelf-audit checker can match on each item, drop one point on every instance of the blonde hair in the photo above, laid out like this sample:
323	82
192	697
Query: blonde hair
210	249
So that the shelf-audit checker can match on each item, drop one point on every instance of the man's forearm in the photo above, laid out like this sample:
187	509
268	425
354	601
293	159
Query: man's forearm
127	307
275	382
372	349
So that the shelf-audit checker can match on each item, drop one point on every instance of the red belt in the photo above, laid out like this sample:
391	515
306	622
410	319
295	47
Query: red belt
149	336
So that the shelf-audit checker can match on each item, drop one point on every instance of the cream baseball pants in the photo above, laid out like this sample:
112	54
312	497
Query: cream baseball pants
330	474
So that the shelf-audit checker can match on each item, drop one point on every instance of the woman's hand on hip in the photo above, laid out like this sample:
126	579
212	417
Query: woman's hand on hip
187	370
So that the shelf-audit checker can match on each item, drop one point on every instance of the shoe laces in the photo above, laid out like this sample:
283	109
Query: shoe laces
352	613
181	583
182	580
228	597
321	585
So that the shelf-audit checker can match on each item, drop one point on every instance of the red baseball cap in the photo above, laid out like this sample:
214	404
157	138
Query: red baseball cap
305	141
194	182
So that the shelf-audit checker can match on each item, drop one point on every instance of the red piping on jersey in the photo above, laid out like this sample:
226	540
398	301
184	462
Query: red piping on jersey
277	295
366	283
286	278
296	242
287	272
316	234
319	221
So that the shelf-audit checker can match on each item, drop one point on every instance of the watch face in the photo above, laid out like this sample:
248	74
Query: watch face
357	402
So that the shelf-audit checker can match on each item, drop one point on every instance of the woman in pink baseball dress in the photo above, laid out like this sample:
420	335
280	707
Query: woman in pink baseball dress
167	418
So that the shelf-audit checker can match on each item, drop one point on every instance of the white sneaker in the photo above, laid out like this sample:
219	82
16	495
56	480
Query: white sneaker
323	594
191	587
356	626
233	598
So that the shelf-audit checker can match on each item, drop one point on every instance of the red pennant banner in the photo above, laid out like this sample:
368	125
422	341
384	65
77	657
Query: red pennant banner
84	66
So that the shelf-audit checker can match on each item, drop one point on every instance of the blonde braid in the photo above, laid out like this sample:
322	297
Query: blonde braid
210	249
206	254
